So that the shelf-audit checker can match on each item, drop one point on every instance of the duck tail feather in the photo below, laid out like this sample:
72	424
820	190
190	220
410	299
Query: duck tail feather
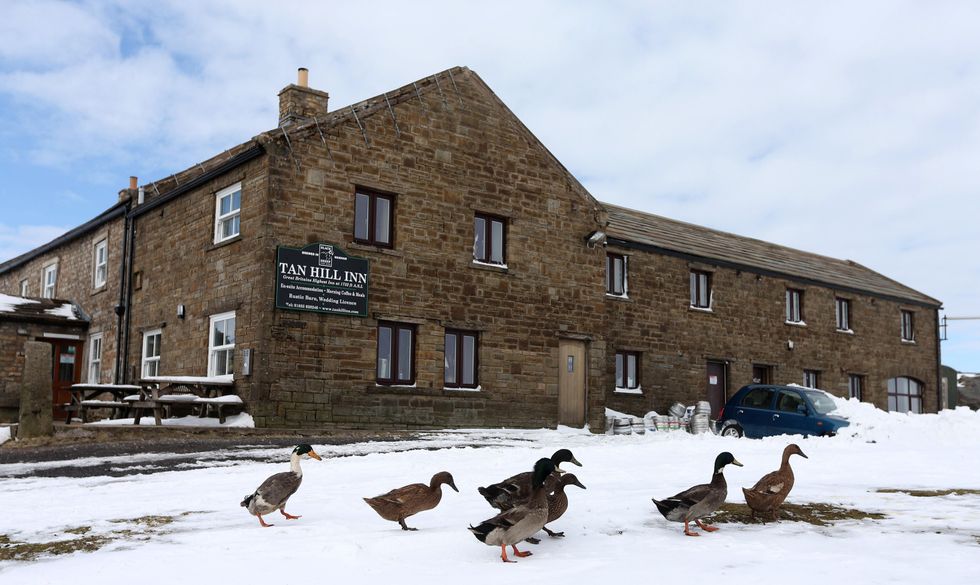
481	531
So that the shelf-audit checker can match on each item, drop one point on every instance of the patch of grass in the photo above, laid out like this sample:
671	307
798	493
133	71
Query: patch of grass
12	550
817	514
79	530
931	493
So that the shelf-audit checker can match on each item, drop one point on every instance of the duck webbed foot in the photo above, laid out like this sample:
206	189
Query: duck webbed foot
687	530
706	527
532	540
288	515
503	554
405	526
263	523
521	554
553	533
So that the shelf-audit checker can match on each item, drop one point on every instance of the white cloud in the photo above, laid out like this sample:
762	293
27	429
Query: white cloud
15	240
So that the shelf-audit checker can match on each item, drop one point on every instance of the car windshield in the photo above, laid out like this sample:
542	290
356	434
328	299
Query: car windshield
822	402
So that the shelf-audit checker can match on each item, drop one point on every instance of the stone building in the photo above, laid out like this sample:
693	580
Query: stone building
420	259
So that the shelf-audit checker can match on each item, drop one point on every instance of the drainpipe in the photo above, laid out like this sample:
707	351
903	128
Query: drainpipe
120	308
129	298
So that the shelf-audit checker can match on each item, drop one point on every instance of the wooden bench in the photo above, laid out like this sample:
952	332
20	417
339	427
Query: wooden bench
165	394
85	397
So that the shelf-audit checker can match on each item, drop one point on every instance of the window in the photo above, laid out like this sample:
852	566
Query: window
151	353
95	358
758	398
489	239
904	395
627	370
461	359
789	402
811	378
761	374
221	345
396	354
616	274
843	314
373	218
101	264
227	213
794	305
50	279
700	289
23	288
908	326
855	385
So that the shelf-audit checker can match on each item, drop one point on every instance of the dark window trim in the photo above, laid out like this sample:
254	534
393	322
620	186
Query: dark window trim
625	355
767	371
851	378
610	288
845	323
799	306
372	238
908	333
816	378
488	220
920	395
395	357
695	300
460	334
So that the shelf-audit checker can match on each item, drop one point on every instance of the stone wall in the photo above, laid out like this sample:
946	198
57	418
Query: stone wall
747	326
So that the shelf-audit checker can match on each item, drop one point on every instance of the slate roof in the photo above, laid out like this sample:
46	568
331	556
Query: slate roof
16	308
660	234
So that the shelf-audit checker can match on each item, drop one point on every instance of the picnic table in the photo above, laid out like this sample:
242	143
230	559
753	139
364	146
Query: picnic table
164	394
85	397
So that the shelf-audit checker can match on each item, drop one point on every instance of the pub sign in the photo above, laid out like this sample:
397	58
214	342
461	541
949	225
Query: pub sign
321	278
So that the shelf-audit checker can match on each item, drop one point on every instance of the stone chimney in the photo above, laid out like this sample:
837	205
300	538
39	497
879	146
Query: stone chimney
129	193
298	102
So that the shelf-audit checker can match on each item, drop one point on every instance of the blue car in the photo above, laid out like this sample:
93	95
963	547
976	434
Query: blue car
764	410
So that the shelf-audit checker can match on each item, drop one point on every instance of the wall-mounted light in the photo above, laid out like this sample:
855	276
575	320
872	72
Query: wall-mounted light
180	311
789	344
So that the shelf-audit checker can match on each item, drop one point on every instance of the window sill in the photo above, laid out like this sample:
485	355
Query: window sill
376	249
908	342
700	309
622	298
796	323
501	268
846	331
638	391
223	243
99	290
422	390
453	389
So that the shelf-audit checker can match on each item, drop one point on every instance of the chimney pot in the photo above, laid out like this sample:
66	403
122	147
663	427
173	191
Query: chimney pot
132	182
303	77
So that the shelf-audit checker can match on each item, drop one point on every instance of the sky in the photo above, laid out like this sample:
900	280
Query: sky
845	129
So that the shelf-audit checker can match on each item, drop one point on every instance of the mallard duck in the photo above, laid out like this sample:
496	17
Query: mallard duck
558	501
768	493
275	491
403	502
517	489
699	501
521	521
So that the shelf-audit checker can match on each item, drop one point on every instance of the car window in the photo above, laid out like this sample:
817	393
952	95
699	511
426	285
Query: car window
822	402
758	398
788	401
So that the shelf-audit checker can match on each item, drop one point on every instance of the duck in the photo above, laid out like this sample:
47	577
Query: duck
701	500
768	493
521	521
516	490
400	503
558	501
276	490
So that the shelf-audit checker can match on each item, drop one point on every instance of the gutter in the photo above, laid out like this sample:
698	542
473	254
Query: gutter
121	306
764	272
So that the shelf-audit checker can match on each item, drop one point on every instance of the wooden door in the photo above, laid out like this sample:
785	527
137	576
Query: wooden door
717	386
571	382
67	365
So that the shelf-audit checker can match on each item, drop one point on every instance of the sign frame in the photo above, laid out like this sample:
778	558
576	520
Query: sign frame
323	273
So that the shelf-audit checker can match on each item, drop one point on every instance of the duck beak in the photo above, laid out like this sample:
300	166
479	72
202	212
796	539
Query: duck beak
575	461
735	462
803	455
453	485
579	484
313	454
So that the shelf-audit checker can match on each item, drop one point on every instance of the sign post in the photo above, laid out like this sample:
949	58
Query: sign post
321	278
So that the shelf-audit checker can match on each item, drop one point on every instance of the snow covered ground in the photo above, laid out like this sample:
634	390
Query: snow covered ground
614	532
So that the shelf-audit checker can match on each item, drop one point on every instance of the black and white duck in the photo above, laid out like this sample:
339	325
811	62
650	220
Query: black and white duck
768	493
701	500
517	489
521	521
276	490
400	503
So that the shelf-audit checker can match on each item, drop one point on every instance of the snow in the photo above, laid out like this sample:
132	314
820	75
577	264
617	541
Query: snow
4	434
243	420
226	379
613	531
8	302
66	310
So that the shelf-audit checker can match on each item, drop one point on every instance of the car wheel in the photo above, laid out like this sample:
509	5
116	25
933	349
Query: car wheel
732	430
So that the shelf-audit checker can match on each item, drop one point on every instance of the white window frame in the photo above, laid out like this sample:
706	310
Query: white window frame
24	284
94	362
811	378
100	271
48	290
843	317
221	219
794	306
213	349
908	326
153	360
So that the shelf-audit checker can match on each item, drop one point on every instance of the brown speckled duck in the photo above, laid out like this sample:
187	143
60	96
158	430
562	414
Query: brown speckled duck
768	494
521	521
558	501
276	490
701	500
517	489
403	502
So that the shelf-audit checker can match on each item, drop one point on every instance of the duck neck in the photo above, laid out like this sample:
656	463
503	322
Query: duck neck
718	479
294	465
435	485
